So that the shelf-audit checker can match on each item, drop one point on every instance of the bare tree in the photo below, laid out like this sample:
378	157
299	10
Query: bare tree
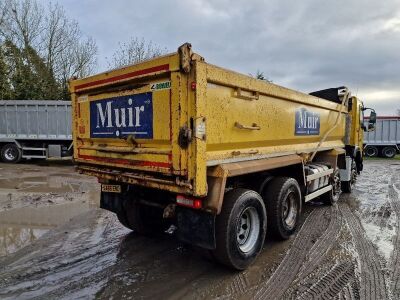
22	22
134	51
66	52
47	31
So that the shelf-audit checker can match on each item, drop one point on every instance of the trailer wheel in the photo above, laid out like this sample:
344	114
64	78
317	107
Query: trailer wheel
371	151
240	228
283	202
389	152
333	195
10	153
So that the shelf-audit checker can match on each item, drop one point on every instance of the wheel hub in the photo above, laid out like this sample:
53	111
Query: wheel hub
248	229
10	154
289	210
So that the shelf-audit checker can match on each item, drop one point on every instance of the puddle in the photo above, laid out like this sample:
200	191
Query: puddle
48	184
21	226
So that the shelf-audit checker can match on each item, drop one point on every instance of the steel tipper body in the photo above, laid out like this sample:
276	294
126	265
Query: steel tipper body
35	129
385	140
177	140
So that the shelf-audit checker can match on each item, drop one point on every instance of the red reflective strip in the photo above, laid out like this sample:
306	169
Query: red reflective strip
124	76
126	161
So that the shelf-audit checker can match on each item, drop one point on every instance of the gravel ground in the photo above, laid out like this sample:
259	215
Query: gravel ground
56	244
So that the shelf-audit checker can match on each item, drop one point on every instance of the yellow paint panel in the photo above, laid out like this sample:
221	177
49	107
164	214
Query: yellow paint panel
229	117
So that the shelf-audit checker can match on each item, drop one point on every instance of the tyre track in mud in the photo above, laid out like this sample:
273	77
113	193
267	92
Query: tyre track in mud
350	292
373	283
394	195
317	253
287	270
331	284
322	245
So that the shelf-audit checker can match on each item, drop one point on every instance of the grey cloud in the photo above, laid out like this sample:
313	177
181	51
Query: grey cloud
305	45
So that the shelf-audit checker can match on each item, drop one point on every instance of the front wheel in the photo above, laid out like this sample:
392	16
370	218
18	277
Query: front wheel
347	186
333	195
240	228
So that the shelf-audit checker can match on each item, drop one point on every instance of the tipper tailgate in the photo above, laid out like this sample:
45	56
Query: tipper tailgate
126	119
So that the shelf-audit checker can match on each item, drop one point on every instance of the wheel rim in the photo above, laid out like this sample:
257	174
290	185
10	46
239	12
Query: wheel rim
289	211
248	229
389	152
10	154
371	152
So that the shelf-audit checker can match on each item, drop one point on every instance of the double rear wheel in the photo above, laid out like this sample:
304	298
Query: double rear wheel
242	224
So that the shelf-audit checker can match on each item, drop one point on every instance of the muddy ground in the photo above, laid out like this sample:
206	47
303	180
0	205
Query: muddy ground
56	244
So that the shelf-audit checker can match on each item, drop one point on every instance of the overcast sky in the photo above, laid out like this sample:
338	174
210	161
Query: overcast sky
305	45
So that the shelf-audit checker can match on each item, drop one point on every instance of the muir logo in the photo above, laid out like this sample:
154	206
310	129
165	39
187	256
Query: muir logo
307	122
122	116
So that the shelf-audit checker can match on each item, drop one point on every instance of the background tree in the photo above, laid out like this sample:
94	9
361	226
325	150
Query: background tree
134	51
5	86
260	75
44	46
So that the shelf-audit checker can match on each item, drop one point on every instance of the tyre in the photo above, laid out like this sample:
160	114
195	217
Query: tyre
347	186
240	229
333	195
140	218
371	151
389	152
10	153
283	202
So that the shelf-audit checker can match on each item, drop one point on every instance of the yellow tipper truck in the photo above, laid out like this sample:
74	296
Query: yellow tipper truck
224	157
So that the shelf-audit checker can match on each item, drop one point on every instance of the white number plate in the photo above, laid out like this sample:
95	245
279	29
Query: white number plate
111	188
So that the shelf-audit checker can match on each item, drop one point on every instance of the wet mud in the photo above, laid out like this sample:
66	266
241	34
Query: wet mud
56	244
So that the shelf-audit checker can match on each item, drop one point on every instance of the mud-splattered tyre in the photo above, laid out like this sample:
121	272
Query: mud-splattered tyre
333	195
283	202
10	153
240	229
141	219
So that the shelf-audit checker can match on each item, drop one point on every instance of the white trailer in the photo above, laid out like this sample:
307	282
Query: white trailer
35	129
385	140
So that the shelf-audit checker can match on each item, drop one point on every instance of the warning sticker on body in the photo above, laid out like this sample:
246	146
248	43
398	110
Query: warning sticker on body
160	86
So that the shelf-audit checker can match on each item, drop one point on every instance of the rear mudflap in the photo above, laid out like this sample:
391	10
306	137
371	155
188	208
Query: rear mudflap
196	227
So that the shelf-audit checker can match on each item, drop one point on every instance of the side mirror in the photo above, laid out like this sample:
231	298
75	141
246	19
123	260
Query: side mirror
372	118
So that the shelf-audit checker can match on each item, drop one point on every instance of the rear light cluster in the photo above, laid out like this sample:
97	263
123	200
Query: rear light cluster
189	202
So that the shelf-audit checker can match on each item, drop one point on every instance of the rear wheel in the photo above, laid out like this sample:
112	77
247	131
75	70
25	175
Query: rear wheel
10	153
283	202
140	218
371	151
389	152
240	228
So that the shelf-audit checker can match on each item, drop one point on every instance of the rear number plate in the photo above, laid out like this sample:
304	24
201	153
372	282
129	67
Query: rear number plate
111	188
